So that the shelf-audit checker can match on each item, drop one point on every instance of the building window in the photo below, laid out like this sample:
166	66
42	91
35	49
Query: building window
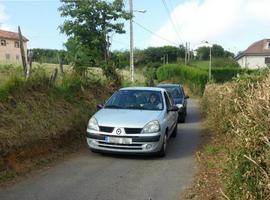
17	57
3	43
17	44
7	56
267	60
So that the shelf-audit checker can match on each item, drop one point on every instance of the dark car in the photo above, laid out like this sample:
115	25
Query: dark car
180	99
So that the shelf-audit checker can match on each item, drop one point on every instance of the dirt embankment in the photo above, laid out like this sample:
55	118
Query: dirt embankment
37	121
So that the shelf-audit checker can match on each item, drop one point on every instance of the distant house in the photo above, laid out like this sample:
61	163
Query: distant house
256	55
10	47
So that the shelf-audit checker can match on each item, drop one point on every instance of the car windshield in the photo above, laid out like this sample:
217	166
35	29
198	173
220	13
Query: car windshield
136	99
174	91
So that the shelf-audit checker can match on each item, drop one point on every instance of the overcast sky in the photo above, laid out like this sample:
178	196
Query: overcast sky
234	24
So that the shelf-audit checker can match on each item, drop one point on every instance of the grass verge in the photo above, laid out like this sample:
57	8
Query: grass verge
237	115
36	120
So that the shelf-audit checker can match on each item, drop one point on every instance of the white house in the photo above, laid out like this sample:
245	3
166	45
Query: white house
256	55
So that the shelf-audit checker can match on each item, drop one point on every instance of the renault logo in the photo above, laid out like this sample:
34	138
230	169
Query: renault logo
118	131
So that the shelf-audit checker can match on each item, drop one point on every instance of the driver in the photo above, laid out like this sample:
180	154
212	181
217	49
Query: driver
154	101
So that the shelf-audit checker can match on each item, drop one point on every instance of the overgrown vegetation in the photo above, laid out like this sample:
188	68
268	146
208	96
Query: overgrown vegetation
34	113
197	77
49	56
240	111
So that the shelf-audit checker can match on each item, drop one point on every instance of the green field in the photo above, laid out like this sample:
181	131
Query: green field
8	70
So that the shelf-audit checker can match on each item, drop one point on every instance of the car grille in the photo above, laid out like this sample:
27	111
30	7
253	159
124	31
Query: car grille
120	146
106	129
133	130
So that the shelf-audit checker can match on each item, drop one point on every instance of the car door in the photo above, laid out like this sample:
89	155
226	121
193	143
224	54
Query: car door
170	114
184	97
175	114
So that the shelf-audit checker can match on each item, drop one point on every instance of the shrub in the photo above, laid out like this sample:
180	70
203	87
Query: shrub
150	76
225	62
195	79
240	110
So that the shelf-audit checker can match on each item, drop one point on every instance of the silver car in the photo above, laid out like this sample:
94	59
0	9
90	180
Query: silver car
134	120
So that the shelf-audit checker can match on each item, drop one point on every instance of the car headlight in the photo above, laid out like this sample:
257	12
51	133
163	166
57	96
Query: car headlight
179	105
151	127
93	124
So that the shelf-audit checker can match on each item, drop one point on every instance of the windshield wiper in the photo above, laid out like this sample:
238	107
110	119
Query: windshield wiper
136	107
112	106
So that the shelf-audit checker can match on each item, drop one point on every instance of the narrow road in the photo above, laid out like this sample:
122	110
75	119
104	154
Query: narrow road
88	176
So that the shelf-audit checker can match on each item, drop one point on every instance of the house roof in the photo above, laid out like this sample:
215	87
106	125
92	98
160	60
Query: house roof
11	35
259	48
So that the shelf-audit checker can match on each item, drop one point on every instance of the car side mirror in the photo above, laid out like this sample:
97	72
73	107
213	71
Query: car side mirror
173	109
100	106
186	97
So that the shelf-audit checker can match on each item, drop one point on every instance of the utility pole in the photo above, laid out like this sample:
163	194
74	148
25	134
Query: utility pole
167	59
186	55
131	41
188	52
210	63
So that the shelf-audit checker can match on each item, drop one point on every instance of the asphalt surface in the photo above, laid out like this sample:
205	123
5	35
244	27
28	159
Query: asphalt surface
86	175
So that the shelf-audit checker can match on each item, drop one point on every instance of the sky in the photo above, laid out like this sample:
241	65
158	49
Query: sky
234	24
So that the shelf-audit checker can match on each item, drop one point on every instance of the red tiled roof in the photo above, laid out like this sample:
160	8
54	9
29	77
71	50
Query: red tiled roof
257	48
11	35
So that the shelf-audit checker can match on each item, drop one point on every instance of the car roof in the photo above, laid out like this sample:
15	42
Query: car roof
169	85
144	88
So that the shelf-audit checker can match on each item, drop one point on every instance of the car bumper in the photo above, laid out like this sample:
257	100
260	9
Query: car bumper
139	145
181	111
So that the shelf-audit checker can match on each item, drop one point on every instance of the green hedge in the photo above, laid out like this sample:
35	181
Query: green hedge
194	78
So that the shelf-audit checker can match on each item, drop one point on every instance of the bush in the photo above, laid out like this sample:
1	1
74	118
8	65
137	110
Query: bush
225	62
150	76
195	79
240	111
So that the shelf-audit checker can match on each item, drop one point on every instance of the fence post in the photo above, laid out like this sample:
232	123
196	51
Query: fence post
22	52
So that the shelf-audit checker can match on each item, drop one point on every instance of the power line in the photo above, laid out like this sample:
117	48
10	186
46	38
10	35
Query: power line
172	22
148	30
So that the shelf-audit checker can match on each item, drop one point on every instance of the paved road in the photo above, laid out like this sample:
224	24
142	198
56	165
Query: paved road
103	177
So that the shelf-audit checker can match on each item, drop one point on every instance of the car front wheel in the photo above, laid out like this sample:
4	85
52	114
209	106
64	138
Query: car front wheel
162	151
174	133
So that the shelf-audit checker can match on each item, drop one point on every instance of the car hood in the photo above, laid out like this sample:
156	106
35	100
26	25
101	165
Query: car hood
126	117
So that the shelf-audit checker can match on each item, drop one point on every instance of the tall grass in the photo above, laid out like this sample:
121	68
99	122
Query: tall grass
33	111
240	110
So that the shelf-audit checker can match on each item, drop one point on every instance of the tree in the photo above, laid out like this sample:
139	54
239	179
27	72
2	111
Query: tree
120	58
88	24
203	53
159	54
48	55
217	52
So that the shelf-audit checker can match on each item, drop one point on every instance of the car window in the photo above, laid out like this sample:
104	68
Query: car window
174	91
167	100
171	99
136	99
183	92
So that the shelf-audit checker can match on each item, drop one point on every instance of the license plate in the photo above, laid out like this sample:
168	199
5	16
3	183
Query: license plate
117	140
